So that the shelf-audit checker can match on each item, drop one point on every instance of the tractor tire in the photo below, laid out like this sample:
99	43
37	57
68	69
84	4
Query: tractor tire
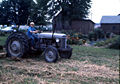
50	54
67	53
17	45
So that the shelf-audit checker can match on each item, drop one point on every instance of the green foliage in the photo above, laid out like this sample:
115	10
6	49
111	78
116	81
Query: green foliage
92	36
39	12
99	56
3	40
110	43
4	12
25	11
115	44
101	43
100	33
107	35
75	37
72	9
96	34
15	11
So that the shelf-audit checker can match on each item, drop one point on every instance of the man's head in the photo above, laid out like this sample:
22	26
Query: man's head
32	24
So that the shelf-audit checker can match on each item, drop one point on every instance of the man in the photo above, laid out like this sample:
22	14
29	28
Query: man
31	34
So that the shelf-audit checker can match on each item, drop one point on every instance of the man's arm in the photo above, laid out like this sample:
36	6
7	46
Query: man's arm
31	31
34	31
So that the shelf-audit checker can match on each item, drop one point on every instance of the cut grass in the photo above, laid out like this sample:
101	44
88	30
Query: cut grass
88	65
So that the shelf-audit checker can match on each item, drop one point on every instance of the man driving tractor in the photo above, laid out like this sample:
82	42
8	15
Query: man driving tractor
18	45
31	34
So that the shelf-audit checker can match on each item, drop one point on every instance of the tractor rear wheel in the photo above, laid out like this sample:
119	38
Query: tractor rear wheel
17	45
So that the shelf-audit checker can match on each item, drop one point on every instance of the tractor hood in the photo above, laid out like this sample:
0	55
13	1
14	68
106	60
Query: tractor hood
49	35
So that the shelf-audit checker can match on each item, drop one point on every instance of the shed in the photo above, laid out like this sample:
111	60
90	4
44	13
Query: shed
111	24
83	26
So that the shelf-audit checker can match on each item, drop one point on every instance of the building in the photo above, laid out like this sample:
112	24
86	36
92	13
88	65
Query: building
80	25
111	24
83	26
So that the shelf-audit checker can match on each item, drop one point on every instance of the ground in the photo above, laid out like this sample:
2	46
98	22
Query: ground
88	65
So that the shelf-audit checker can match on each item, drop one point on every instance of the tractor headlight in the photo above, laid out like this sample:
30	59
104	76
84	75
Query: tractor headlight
57	40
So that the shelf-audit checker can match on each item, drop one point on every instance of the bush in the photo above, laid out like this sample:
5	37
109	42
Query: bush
81	42
99	33
115	44
96	34
75	37
92	36
110	43
107	35
101	43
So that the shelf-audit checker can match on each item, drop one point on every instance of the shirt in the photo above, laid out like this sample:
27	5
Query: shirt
30	29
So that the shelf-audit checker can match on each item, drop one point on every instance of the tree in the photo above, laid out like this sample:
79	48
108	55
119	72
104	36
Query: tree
4	12
71	9
39	12
74	9
21	10
24	11
16	11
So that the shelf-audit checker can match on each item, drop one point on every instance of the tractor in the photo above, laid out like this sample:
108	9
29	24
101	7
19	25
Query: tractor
52	45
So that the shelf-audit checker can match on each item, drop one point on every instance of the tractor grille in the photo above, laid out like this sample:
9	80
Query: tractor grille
63	43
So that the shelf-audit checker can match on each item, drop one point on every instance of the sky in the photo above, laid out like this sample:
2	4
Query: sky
103	8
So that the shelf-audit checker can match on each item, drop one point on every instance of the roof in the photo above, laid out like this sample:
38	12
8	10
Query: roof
83	20
110	19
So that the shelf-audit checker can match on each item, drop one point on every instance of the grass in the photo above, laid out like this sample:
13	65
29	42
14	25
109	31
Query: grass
3	39
99	56
88	65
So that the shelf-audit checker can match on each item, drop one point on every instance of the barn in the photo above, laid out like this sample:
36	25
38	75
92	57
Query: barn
111	24
83	26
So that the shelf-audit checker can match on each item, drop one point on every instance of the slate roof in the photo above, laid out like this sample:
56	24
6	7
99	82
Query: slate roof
110	19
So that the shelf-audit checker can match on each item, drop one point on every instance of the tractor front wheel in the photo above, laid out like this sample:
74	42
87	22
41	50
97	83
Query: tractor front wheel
51	54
